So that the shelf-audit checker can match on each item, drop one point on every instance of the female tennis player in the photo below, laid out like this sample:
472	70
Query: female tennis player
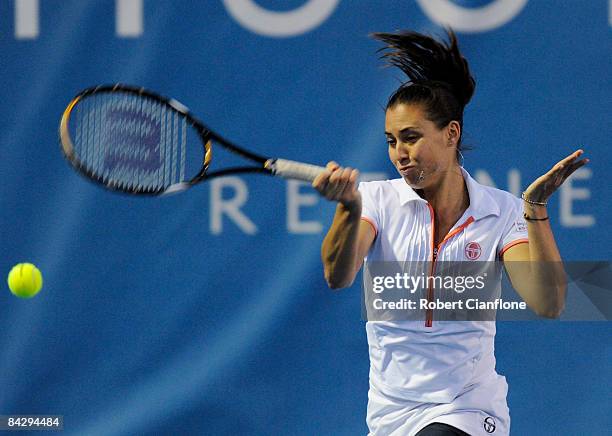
438	378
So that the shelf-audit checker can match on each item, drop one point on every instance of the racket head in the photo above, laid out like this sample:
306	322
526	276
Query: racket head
135	141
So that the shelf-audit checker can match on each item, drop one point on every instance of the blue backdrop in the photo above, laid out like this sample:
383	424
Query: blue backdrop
175	316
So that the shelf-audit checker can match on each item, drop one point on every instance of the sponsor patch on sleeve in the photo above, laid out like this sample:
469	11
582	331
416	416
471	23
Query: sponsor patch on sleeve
521	226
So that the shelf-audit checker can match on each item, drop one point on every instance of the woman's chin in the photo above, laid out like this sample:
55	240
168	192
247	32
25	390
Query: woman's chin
413	182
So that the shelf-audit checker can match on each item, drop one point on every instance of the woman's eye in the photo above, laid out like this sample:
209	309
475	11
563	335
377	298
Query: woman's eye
391	142
411	139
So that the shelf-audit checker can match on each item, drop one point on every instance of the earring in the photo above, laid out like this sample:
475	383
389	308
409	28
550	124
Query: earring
461	157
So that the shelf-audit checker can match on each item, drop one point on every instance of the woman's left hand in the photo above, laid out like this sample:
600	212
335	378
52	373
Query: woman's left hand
544	186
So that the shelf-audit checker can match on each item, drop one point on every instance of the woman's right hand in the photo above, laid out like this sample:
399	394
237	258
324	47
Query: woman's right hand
339	184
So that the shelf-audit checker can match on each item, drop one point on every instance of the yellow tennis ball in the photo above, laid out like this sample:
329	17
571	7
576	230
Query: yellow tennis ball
25	280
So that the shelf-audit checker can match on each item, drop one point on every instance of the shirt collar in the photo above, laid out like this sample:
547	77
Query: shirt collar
482	202
405	192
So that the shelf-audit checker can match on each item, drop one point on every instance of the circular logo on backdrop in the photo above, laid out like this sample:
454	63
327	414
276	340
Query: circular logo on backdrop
280	24
478	19
472	250
489	424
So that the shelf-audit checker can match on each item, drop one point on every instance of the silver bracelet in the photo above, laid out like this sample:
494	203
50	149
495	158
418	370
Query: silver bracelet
537	203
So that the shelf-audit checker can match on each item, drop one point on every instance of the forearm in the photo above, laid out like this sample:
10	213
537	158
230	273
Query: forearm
542	245
546	275
339	250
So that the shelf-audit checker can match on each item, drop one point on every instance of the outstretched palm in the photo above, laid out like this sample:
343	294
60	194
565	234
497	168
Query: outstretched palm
544	186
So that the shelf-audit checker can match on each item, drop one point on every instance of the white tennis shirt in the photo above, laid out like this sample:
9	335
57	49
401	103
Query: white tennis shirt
429	361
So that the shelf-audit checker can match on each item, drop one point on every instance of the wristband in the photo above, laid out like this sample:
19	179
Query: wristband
533	219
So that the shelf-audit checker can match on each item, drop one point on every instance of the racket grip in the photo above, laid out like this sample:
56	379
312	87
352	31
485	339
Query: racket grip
290	169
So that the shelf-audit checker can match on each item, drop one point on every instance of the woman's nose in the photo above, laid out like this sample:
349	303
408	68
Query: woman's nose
403	153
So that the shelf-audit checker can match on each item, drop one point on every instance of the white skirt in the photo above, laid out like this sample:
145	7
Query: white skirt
479	409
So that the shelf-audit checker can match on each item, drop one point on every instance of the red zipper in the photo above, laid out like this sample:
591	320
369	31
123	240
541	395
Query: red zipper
430	291
435	251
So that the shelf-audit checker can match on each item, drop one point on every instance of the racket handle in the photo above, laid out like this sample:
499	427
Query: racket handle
290	169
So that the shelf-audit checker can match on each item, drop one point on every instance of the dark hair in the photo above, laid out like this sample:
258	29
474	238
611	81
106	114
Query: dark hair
439	76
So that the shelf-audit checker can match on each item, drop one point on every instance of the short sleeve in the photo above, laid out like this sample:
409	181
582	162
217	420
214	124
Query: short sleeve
515	231
370	212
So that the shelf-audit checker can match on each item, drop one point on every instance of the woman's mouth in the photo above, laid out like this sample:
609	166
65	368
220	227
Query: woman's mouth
407	170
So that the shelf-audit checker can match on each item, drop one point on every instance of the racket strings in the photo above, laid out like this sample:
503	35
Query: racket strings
130	142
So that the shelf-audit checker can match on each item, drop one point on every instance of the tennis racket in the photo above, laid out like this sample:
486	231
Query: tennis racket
133	140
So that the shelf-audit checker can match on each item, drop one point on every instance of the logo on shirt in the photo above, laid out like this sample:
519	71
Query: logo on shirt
472	250
489	424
